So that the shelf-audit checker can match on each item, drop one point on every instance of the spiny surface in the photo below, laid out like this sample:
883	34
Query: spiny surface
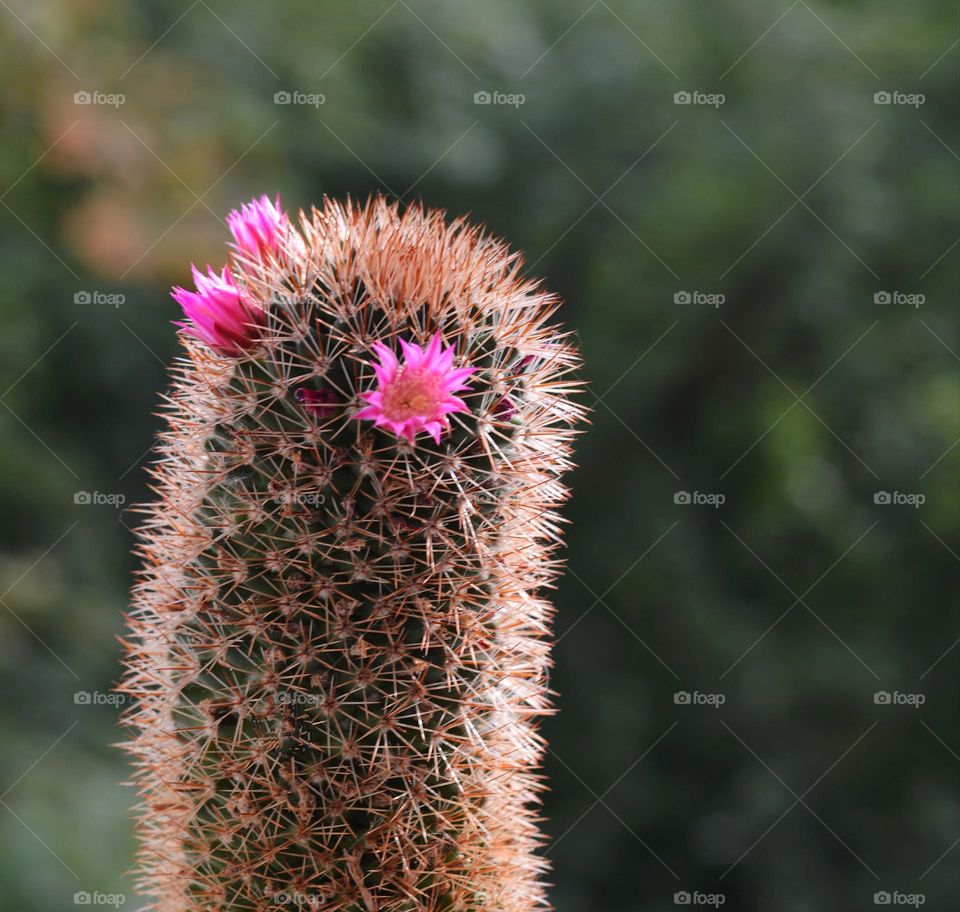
339	643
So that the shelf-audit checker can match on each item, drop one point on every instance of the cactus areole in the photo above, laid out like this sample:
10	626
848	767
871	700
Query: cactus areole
339	641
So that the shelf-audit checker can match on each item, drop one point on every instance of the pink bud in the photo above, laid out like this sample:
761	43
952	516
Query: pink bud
219	312
258	227
322	403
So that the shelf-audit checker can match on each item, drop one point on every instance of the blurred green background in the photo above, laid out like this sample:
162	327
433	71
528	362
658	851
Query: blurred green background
764	286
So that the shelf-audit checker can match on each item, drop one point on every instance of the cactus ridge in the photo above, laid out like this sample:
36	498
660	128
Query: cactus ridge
338	644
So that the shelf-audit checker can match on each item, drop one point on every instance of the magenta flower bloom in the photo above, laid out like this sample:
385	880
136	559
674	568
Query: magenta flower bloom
322	403
219	312
258	227
417	395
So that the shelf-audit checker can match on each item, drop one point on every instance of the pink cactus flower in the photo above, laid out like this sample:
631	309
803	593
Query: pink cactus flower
417	395
258	227
322	403
219	312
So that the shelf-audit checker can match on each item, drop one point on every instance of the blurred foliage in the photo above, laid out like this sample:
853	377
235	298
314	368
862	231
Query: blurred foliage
798	398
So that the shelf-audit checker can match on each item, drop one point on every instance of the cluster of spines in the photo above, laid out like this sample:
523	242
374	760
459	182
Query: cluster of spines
339	646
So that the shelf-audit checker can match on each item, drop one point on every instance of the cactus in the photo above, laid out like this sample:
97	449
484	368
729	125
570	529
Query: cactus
339	642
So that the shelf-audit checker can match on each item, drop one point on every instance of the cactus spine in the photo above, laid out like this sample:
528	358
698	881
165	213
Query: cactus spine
338	643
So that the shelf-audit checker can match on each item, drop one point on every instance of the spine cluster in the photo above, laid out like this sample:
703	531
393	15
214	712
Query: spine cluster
339	642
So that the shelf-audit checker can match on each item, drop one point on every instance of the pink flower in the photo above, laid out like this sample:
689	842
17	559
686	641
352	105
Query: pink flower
258	227
322	403
418	395
219	312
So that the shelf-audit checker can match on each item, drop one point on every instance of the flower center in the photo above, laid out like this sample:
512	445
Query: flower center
413	394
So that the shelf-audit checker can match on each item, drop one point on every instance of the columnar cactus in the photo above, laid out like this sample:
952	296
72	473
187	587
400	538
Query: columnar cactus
339	643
